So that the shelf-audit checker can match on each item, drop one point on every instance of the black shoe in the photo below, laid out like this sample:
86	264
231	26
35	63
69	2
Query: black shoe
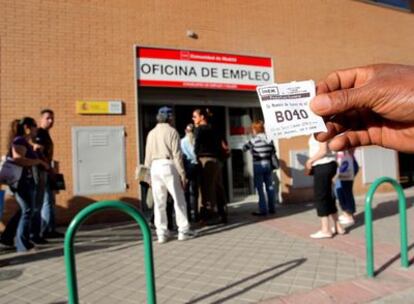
213	222
55	235
7	245
223	219
39	241
258	214
272	212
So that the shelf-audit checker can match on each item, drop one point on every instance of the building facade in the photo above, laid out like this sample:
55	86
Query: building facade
79	58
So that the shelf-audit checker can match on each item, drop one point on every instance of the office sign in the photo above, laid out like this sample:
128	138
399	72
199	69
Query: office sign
158	67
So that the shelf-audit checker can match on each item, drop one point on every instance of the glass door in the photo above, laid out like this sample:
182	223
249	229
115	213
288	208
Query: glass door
241	167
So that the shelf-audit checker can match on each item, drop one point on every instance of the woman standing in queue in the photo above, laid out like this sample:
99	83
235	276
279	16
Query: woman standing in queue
23	154
322	164
262	151
208	148
344	185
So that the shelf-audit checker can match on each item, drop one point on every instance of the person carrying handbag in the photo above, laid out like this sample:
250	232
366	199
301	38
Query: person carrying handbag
347	170
22	153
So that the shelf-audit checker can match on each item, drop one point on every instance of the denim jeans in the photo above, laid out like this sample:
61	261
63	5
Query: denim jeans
39	191
191	190
344	193
25	197
263	175
48	210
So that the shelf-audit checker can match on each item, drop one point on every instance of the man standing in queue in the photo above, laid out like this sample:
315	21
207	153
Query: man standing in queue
48	228
164	158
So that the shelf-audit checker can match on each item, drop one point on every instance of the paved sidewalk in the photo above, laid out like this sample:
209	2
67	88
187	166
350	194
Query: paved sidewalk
250	260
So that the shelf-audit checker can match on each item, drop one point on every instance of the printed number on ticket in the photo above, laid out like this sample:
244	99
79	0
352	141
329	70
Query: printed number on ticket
286	109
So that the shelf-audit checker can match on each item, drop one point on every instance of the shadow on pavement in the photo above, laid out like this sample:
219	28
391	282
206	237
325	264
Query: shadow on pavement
268	274
379	211
100	237
82	244
392	260
241	215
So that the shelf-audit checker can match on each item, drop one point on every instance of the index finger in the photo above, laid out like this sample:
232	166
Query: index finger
338	80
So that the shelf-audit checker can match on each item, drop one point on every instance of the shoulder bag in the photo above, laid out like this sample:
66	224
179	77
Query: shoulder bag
345	166
10	173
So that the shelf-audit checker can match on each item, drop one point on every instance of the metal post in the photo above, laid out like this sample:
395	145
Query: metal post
368	223
69	250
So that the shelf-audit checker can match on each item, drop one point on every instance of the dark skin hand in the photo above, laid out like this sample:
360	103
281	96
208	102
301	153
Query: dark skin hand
371	105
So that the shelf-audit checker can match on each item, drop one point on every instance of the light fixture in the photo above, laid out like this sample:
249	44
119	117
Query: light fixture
192	34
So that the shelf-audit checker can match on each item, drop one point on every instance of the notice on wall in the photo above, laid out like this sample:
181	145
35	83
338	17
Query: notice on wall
286	109
99	107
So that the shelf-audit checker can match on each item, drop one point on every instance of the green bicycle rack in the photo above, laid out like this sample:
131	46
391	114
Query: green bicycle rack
69	250
368	223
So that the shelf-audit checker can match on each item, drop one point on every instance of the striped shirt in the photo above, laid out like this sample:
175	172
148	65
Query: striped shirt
261	148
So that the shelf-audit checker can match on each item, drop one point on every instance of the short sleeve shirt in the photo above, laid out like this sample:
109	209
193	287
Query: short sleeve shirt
21	141
43	138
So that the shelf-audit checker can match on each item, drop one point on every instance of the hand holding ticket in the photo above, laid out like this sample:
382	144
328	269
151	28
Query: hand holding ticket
286	109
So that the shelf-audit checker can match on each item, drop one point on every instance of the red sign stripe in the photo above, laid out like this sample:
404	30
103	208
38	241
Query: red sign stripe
198	85
203	57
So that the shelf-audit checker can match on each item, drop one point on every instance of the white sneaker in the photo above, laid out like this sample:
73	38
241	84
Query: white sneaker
345	220
321	235
183	236
163	238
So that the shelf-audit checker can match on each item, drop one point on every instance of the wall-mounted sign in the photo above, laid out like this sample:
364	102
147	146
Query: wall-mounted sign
192	69
99	107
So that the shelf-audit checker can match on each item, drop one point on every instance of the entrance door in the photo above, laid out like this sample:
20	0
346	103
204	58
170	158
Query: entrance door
182	117
233	125
241	167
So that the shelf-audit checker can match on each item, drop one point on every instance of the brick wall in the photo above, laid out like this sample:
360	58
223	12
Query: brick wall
54	52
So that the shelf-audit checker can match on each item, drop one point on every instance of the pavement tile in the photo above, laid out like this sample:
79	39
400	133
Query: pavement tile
247	261
303	282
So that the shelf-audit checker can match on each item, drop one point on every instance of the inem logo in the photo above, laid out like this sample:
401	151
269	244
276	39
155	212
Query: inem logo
269	91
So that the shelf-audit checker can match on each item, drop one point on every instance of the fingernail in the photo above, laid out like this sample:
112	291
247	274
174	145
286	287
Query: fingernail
321	104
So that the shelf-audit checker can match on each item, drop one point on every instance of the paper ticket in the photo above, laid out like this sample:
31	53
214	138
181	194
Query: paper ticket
286	109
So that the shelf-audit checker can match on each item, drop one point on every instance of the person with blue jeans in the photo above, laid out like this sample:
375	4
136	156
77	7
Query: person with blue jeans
344	193
22	153
47	212
262	150
191	171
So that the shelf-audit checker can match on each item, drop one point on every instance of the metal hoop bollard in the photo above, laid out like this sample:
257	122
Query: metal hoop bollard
69	250
368	223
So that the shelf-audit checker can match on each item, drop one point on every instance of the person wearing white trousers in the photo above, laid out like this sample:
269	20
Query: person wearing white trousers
164	179
164	158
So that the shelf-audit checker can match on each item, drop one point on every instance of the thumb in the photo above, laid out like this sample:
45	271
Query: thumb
338	101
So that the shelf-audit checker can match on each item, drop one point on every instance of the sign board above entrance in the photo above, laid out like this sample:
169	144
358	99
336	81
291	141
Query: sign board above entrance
157	67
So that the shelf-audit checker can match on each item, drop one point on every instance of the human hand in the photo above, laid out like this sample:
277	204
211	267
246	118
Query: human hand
308	164
44	164
37	147
371	105
184	182
308	168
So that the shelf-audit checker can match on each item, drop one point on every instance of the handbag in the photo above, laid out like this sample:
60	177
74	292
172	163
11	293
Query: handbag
57	182
345	166
275	162
10	173
143	174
